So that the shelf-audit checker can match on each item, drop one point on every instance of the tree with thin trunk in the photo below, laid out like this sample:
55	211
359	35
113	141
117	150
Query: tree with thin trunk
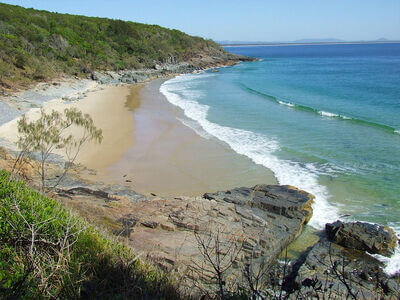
52	131
219	250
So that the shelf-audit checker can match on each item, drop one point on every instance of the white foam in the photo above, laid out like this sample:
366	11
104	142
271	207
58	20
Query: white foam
332	115
392	264
257	147
286	103
397	131
328	114
195	127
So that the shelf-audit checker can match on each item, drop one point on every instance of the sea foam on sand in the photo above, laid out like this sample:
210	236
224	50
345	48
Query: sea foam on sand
259	148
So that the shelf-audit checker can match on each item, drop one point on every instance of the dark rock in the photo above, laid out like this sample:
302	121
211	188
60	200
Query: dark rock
85	70
87	191
329	269
128	223
282	200
149	224
373	238
281	210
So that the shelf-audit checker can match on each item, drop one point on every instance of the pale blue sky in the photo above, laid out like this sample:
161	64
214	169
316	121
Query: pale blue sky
251	20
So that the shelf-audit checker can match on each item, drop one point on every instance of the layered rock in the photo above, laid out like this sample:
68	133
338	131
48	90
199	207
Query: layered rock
373	238
259	222
339	265
286	200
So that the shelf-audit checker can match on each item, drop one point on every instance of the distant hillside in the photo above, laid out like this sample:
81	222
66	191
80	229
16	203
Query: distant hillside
36	45
280	42
319	41
305	41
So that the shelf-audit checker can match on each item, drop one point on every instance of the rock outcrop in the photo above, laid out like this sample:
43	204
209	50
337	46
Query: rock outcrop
259	221
373	238
330	269
267	219
164	69
339	265
286	200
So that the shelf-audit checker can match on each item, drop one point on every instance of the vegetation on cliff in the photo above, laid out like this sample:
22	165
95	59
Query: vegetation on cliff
36	45
46	252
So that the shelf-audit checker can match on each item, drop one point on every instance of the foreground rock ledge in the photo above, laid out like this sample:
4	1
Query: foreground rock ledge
261	220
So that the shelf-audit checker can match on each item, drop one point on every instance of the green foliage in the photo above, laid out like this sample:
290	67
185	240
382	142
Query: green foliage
77	44
46	252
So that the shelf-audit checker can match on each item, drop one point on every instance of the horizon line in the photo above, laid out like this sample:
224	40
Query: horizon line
308	43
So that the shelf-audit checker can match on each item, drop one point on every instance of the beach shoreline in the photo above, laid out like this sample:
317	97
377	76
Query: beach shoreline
131	154
169	158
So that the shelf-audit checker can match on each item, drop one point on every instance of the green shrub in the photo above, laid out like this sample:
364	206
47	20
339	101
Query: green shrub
47	252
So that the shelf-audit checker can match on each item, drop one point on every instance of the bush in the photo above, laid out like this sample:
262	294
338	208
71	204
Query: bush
47	252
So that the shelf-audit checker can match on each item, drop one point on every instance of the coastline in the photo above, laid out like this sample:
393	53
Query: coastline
214	178
92	103
169	158
146	144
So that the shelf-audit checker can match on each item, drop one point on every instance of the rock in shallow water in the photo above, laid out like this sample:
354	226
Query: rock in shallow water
334	272
373	238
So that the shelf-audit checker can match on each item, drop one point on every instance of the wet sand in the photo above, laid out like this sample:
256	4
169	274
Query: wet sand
168	158
108	111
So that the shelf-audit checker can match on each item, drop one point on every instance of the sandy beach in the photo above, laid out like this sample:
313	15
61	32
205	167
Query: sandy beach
169	158
107	108
147	147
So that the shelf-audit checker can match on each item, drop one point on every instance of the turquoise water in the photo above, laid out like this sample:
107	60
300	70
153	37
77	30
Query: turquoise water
325	118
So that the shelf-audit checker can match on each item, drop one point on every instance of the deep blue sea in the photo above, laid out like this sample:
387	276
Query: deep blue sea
324	118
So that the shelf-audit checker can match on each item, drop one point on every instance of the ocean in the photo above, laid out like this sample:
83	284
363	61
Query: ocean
323	118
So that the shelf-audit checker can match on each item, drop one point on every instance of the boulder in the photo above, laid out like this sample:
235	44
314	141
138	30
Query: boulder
283	200
341	273
149	224
373	238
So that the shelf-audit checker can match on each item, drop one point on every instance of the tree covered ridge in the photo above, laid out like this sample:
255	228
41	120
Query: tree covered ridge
36	44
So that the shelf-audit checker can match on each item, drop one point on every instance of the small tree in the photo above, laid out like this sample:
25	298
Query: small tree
219	250
50	132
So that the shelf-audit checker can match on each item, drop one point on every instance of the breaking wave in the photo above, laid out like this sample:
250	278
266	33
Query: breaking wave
259	148
322	113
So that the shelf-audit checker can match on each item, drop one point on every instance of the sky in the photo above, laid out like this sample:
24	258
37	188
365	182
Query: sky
250	20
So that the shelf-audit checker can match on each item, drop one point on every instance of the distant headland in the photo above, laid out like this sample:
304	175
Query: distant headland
327	41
